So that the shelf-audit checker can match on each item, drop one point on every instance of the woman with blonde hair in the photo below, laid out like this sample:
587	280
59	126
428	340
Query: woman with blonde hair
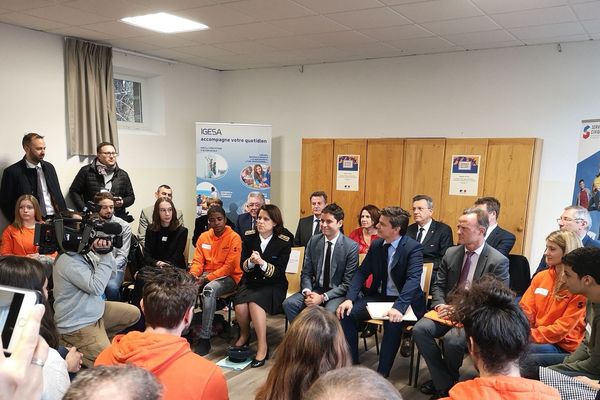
313	345
556	315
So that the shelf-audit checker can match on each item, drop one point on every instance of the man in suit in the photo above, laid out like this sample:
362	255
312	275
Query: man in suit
435	236
309	226
330	261
500	239
247	220
396	262
146	214
575	219
32	175
461	265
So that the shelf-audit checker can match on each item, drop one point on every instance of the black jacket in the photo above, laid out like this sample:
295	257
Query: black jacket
276	254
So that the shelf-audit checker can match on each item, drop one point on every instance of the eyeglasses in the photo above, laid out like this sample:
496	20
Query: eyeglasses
567	219
109	153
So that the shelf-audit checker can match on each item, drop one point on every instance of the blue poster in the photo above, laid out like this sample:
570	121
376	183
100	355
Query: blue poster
232	160
586	188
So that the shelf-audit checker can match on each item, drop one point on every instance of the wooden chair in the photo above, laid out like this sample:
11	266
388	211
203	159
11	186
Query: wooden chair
292	273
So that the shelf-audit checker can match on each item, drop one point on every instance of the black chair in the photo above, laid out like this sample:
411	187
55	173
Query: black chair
520	275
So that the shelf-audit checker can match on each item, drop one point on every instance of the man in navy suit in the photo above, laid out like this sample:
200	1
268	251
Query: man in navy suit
500	239
396	262
309	226
247	220
435	236
330	261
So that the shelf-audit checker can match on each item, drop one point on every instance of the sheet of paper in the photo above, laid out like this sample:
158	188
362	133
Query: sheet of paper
377	309
292	265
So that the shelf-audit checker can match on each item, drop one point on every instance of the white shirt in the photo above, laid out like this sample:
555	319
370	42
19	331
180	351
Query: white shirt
263	246
489	230
474	260
333	241
425	230
46	194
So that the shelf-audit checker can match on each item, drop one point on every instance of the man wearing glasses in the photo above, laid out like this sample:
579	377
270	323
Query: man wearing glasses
247	221
575	219
103	175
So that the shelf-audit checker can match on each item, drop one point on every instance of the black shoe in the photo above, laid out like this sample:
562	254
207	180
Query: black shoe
259	363
405	345
439	395
428	388
369	331
203	347
244	346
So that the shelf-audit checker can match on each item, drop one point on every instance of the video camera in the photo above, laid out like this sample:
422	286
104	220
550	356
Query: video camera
77	235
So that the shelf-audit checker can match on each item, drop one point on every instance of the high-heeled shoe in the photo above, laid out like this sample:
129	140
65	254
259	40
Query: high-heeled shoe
245	345
259	363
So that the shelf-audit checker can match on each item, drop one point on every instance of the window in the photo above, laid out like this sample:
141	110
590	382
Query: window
128	101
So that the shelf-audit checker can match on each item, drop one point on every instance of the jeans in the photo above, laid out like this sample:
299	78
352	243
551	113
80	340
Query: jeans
211	291
113	288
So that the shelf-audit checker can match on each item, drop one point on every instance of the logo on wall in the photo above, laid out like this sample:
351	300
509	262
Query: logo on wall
586	131
591	131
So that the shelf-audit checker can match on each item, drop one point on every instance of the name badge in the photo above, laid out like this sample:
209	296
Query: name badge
165	238
542	291
206	246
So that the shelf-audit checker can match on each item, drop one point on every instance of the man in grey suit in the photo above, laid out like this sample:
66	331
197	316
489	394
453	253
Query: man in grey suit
461	265
330	261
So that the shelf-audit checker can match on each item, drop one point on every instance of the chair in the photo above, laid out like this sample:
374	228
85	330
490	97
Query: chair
292	273
520	274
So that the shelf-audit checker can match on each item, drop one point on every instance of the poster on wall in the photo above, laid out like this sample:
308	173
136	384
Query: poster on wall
464	178
231	161
586	188
347	172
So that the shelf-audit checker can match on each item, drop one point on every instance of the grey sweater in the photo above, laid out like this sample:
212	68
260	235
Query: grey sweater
79	283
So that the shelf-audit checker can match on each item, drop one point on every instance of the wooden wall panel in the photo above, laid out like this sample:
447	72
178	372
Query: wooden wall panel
423	172
507	177
316	171
384	171
453	206
351	202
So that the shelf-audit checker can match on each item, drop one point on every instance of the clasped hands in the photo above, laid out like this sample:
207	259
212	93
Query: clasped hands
255	258
313	298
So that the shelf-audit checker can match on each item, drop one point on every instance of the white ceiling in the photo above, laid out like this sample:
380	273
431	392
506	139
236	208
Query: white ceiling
266	33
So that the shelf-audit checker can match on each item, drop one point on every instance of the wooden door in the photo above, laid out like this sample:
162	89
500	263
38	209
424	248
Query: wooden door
350	201
384	172
316	171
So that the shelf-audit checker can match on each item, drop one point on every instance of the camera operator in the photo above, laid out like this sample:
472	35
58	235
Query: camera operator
106	205
84	320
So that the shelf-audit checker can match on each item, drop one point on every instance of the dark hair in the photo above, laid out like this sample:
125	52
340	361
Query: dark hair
482	216
275	215
214	210
584	261
163	186
98	197
491	204
29	273
173	224
581	180
102	144
335	210
319	193
168	294
30	137
313	345
495	321
428	199
398	217
373	211
134	382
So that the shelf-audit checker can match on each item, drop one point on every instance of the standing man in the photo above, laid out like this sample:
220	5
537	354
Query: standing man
584	195
500	239
247	220
330	261
396	262
461	265
106	203
309	226
146	215
32	175
435	236
103	175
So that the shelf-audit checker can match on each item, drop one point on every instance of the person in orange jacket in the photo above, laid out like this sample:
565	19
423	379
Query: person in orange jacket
497	333
216	264
556	315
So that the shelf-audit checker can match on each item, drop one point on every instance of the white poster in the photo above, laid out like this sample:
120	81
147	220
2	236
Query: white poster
464	178
348	166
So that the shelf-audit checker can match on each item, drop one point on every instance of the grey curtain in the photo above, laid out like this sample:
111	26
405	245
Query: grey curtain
90	97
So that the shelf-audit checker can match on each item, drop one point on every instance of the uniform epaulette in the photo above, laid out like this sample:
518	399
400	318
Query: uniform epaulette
249	232
283	237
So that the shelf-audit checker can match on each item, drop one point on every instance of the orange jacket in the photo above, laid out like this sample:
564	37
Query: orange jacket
183	374
19	242
502	388
555	321
218	255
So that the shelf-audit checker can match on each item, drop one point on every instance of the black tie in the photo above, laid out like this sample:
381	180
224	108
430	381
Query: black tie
420	234
317	230
327	268
384	278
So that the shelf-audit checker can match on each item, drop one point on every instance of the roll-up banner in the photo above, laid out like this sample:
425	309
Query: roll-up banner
586	190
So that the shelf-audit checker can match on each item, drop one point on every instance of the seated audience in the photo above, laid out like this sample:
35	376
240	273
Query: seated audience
216	265
122	382
556	316
311	225
265	254
168	306
165	237
201	223
18	237
396	263
497	334
27	273
146	216
500	239
330	261
352	383
313	345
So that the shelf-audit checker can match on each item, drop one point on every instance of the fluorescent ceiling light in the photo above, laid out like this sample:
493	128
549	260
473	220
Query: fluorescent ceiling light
163	22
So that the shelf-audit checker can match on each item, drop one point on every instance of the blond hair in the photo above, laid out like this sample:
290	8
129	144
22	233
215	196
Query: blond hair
567	241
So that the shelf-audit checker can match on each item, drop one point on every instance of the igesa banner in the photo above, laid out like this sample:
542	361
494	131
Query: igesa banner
586	191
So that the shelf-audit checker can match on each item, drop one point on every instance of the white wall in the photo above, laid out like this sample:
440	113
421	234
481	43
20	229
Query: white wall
514	92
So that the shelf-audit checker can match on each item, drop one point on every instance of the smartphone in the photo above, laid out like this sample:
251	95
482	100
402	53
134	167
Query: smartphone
15	307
